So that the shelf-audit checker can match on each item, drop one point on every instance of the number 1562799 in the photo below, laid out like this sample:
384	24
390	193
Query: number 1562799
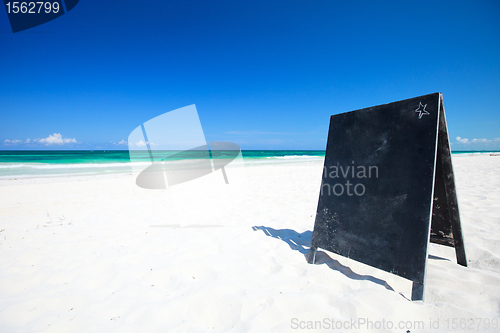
32	7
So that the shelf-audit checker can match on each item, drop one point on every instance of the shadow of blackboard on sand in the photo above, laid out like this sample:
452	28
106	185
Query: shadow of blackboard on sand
301	242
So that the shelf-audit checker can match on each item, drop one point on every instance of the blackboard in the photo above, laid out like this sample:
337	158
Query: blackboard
387	177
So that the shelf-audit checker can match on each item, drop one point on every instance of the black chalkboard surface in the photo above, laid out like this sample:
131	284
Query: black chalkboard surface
387	177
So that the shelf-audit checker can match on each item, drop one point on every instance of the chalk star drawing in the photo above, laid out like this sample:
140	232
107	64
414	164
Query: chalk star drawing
421	110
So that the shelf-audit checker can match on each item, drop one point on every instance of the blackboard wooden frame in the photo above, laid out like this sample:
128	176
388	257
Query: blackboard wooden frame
388	188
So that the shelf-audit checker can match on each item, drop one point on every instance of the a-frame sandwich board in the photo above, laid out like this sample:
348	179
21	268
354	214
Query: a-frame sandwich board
388	188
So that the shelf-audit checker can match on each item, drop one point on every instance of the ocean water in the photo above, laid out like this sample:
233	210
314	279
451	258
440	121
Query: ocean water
46	163
43	163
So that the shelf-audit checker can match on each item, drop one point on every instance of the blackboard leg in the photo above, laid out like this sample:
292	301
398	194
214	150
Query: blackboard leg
450	188
459	244
311	258
417	292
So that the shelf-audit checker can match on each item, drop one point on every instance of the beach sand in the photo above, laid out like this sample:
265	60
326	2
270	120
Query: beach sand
99	254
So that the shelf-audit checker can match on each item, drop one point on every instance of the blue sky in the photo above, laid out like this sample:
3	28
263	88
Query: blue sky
263	74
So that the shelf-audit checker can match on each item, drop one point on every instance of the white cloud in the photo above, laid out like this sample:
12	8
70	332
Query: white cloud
56	139
477	144
12	142
139	143
122	142
480	140
465	140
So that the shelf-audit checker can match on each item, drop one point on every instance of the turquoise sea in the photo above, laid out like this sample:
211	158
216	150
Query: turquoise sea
42	163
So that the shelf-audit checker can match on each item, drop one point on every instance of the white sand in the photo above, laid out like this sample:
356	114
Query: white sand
99	254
